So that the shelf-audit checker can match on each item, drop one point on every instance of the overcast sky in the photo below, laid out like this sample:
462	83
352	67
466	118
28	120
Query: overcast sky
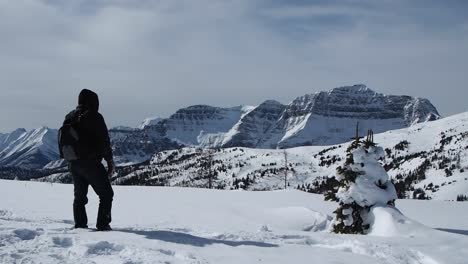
149	58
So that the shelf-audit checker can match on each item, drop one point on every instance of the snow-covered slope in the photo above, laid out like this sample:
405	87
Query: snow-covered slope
177	225
149	122
430	156
7	139
29	149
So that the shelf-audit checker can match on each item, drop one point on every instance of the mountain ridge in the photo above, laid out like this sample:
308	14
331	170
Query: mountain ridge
321	118
30	149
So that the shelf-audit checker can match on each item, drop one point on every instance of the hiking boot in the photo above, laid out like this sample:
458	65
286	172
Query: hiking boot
81	227
104	228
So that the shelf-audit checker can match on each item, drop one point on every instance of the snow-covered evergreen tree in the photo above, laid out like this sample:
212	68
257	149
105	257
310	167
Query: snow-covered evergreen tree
364	183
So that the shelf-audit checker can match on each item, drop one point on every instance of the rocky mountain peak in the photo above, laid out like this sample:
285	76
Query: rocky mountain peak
271	103
199	112
353	89
359	101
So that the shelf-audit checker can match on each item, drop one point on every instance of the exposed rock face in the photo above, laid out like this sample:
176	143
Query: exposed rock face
420	110
136	146
201	124
326	118
360	102
255	125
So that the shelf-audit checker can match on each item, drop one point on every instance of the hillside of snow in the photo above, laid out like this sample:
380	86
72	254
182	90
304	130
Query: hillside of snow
178	225
427	160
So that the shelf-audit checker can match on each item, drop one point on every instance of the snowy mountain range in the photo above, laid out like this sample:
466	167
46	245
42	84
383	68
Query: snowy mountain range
425	161
318	119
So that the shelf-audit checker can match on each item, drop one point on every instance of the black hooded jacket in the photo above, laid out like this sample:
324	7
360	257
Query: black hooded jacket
91	127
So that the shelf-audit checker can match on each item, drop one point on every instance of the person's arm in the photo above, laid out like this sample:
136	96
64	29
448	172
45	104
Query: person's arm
103	138
105	147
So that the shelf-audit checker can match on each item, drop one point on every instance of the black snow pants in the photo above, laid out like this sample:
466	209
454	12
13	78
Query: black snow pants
85	173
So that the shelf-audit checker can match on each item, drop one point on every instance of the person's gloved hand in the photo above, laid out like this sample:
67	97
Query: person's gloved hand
110	168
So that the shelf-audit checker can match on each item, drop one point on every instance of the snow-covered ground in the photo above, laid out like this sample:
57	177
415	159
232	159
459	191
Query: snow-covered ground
177	225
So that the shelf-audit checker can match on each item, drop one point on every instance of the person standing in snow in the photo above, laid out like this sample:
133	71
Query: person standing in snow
87	169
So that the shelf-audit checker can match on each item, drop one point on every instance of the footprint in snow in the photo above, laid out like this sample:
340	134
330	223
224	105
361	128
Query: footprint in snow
103	248
64	242
167	252
26	234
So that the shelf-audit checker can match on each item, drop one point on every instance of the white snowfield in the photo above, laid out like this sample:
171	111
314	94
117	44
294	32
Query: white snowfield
179	225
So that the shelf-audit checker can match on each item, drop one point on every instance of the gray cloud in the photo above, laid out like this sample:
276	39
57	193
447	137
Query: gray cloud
149	58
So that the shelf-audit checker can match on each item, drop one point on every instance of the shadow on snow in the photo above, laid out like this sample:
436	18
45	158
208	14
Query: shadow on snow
454	231
187	239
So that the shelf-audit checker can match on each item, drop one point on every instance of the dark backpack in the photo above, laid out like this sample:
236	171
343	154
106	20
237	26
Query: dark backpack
69	139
